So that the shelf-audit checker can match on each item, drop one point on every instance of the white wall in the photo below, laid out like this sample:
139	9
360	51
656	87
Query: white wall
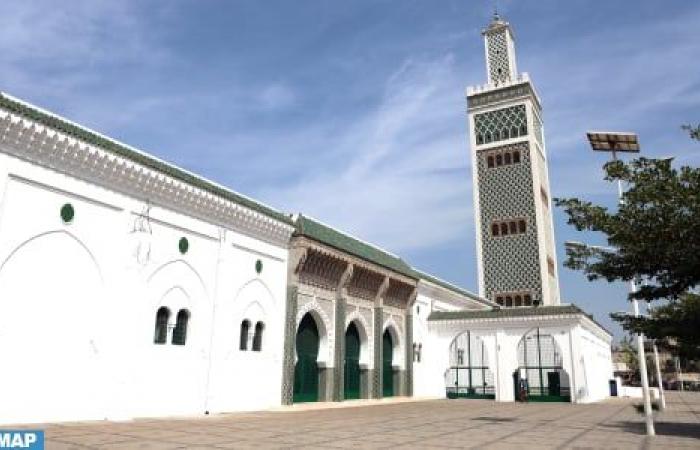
78	304
586	357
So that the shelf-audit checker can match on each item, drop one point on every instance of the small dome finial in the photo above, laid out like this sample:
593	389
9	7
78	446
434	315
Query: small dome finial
496	16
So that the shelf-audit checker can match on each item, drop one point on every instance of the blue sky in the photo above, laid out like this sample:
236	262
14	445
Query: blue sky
354	111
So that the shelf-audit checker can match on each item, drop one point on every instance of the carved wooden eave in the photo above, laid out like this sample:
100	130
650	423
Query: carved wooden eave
324	266
47	147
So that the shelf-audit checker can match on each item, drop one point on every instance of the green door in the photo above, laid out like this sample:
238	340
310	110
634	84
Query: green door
352	362
387	369
306	369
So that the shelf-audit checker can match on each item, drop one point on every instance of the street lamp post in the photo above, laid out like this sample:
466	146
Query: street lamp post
616	142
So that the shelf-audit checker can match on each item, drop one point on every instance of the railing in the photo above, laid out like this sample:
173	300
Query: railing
469	382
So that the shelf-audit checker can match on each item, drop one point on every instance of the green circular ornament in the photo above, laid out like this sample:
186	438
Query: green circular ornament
183	245
67	213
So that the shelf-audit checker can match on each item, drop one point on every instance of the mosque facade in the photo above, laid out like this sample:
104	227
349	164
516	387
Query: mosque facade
132	288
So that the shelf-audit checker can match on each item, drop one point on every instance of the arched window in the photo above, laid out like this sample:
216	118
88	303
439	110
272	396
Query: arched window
489	161
499	160
245	328
180	330
506	158
523	130
513	227
499	300
509	301
496	135
258	336
514	132
162	317
528	300
504	228
504	133
479	139
495	229
488	137
516	157
521	226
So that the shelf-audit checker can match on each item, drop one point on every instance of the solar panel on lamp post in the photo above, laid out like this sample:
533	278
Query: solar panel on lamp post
615	142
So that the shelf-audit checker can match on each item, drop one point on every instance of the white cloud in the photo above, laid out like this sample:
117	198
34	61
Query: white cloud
399	177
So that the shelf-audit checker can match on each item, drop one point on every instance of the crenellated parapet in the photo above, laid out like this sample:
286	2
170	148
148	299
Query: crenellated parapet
41	138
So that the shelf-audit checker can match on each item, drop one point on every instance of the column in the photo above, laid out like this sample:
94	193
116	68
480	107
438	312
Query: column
290	328
408	390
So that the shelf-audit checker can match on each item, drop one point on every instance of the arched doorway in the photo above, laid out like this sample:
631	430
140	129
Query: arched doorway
387	366
540	375
352	362
469	375
306	368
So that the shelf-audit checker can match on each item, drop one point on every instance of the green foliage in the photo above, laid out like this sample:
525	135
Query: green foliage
675	325
654	236
693	131
629	354
654	230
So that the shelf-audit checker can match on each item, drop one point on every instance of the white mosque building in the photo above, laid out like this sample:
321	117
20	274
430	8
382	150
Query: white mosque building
132	288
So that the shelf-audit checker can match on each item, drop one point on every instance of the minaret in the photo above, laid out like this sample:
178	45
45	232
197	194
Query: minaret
514	232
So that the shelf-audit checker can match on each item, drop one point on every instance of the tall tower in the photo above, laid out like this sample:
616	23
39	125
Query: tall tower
514	232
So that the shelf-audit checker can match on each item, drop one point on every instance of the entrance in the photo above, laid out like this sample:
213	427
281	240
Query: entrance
306	368
469	375
352	362
387	367
540	376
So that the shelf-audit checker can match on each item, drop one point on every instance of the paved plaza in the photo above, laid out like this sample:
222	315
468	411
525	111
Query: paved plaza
402	424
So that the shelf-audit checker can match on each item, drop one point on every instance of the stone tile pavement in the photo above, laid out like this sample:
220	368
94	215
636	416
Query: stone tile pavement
439	424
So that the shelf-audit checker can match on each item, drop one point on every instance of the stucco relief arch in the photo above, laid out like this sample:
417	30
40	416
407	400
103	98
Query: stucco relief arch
366	349
177	273
58	234
398	360
177	285
323	323
45	282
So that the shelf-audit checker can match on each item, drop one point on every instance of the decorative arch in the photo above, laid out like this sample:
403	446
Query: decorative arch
177	286
469	374
366	349
393	329
48	283
52	233
540	375
323	323
184	273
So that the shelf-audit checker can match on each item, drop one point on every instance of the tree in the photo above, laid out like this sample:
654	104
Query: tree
655	233
675	325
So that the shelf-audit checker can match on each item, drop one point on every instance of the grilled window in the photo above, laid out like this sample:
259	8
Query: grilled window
258	336
162	317
180	330
245	328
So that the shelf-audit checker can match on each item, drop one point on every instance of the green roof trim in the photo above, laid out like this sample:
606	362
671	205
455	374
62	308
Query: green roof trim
451	287
499	313
326	235
93	138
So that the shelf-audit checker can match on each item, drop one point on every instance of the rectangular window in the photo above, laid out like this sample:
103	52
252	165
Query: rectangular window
550	265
